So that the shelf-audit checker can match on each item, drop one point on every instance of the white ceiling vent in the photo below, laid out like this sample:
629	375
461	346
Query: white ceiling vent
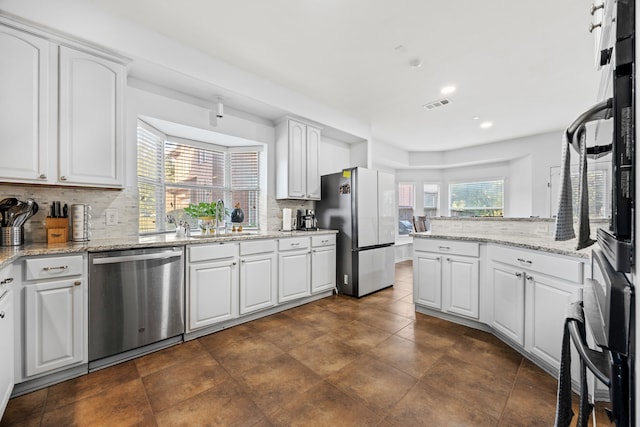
439	103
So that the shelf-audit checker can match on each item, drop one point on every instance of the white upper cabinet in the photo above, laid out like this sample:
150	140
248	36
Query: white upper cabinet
24	106
297	163
91	132
64	110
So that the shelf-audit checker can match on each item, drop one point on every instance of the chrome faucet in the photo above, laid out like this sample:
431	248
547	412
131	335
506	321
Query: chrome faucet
219	203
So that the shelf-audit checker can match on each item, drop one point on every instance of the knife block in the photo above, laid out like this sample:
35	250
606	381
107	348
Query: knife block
57	230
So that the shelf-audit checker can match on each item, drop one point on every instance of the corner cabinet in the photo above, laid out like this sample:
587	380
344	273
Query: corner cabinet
297	160
67	112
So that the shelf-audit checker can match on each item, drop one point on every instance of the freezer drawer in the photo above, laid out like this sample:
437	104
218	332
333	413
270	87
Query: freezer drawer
376	269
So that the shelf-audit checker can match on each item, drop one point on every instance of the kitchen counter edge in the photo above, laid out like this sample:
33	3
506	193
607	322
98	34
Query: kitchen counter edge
525	242
9	254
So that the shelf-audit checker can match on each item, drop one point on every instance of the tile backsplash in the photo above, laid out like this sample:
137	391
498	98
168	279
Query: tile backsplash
124	201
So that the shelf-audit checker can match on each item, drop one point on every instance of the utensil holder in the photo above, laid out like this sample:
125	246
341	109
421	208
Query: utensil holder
57	230
11	236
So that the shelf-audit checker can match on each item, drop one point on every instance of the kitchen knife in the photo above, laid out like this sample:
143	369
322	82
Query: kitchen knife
52	210
65	211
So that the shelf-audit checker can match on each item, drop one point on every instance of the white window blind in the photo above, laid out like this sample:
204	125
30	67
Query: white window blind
178	173
481	198
431	196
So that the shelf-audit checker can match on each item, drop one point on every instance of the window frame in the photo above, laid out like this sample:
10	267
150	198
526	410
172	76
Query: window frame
475	181
398	207
438	198
227	190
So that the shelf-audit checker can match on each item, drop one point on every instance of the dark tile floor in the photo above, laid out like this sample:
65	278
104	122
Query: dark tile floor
339	361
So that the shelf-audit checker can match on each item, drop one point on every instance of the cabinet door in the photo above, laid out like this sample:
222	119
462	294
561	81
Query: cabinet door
294	270
258	277
297	159
54	320
507	298
6	338
323	269
313	163
24	106
213	293
91	120
460	284
547	302
427	279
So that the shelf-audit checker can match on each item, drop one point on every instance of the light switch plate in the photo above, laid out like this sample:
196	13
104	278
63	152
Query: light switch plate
111	216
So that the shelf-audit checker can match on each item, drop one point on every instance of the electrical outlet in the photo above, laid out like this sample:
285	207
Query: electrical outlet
346	279
111	216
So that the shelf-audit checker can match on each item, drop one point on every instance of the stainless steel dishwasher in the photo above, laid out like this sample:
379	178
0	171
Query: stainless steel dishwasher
136	301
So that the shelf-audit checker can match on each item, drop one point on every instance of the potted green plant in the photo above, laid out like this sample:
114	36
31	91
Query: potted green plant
207	214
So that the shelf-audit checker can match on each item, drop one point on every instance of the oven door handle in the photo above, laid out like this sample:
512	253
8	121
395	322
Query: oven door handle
597	362
600	111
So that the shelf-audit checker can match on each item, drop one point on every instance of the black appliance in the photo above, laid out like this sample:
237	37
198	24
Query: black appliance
608	298
306	220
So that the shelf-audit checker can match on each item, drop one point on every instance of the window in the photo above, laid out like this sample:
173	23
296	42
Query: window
431	198
482	198
172	173
406	200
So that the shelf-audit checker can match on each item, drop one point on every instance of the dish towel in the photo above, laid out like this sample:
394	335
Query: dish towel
584	230
564	412
564	218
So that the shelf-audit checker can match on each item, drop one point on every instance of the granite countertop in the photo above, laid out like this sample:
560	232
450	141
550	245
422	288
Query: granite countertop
544	244
9	254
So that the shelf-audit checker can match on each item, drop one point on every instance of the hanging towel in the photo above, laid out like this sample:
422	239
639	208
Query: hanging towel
564	413
564	217
584	231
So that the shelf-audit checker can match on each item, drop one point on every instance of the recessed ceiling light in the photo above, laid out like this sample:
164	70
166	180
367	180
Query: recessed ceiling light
400	49
476	118
415	63
447	90
486	125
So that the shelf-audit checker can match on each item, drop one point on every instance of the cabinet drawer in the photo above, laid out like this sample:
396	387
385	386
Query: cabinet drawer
257	247
324	240
293	243
452	247
552	265
215	251
46	268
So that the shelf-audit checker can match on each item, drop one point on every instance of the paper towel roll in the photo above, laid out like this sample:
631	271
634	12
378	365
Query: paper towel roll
286	219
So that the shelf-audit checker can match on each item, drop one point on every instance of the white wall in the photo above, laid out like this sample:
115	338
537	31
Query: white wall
334	156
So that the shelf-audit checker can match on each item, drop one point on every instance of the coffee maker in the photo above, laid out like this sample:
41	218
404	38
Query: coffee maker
306	220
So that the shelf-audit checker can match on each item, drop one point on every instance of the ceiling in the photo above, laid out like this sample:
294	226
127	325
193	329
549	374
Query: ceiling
525	66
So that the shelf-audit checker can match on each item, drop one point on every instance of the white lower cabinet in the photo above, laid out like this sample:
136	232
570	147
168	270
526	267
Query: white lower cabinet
53	332
7	379
447	276
530	292
294	269
258	282
427	276
547	301
323	263
212	284
507	298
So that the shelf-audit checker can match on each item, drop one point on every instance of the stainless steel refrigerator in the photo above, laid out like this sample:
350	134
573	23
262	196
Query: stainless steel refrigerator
360	203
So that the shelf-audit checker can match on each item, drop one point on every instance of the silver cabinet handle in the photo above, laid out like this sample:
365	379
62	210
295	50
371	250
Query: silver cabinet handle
63	178
593	26
518	275
324	241
243	261
62	267
233	263
42	176
525	261
595	8
295	244
7	280
2	314
444	248
529	277
437	258
77	283
448	259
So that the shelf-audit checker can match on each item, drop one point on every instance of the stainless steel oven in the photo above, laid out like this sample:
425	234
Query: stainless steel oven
608	297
